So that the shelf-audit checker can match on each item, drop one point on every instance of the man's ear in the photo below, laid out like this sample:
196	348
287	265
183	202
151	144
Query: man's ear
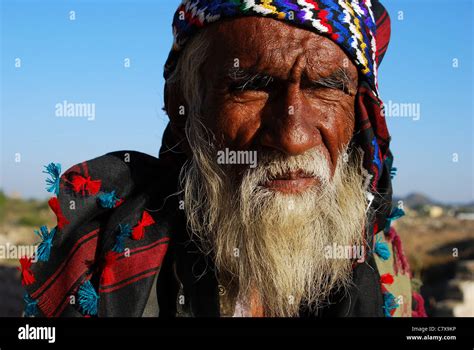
177	111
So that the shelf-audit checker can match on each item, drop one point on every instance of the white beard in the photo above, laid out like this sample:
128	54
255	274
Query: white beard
270	244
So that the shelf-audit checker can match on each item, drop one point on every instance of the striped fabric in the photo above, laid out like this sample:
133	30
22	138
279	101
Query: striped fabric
82	251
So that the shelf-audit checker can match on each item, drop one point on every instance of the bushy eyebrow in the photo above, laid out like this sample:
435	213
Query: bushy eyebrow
240	77
339	79
239	74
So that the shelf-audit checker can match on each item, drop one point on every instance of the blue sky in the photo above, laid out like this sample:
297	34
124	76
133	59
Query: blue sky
83	61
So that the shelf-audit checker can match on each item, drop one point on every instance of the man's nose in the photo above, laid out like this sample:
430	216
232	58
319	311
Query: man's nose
289	125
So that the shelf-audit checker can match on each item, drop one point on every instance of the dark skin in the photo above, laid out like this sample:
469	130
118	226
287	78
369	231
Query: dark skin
290	90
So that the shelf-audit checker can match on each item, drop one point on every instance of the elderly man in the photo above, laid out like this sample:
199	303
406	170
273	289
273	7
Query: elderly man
272	193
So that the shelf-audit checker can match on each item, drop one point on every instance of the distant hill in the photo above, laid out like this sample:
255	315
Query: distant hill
416	200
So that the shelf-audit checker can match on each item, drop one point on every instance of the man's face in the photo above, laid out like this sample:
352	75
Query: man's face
276	87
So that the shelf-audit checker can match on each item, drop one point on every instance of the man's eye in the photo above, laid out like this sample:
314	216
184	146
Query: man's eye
255	83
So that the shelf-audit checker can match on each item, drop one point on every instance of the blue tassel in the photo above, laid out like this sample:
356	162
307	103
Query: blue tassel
44	249
389	303
54	170
393	172
108	199
31	306
88	298
125	232
381	249
396	213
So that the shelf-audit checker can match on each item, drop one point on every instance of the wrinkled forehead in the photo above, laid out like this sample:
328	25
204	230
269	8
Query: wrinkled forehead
265	44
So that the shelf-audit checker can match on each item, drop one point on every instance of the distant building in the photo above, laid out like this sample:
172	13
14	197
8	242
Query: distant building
435	211
465	216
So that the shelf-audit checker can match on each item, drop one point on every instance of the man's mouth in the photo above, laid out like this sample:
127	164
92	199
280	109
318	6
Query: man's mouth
291	182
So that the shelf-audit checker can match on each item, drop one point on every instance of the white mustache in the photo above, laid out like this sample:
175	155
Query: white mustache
273	165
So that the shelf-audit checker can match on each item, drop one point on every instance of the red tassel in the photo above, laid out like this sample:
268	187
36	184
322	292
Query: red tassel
420	306
27	277
400	261
83	184
138	231
386	278
107	273
56	208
